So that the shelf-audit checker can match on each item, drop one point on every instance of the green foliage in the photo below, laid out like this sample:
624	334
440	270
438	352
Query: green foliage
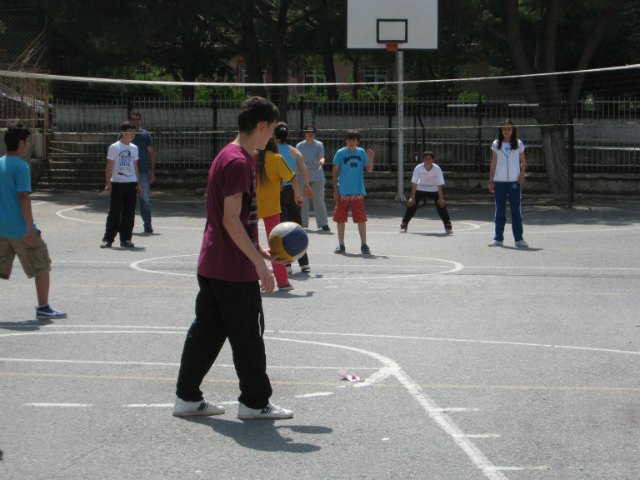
376	94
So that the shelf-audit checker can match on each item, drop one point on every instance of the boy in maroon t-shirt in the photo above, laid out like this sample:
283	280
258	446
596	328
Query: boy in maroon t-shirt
231	274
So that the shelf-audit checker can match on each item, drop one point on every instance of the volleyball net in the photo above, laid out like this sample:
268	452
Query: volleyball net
598	110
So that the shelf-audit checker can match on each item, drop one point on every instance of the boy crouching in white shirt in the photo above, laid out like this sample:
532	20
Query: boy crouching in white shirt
427	182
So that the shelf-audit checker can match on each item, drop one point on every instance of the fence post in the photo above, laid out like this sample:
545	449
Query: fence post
302	117
390	131
214	138
415	133
571	156
480	115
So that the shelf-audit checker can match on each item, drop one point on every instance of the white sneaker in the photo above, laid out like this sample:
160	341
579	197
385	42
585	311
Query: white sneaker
270	412
203	408
521	244
495	243
289	269
285	288
305	268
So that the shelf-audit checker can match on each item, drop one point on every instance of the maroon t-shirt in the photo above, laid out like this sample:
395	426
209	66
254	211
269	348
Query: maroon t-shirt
232	171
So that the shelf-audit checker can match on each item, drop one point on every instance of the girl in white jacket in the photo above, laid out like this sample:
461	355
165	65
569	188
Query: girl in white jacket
508	164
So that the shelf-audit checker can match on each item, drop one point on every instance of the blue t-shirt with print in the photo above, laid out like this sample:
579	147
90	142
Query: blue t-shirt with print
14	178
351	174
142	140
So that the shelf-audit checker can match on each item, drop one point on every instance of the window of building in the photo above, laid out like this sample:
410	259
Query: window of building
313	75
245	78
374	73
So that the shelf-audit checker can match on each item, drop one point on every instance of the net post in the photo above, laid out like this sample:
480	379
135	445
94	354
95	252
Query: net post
400	104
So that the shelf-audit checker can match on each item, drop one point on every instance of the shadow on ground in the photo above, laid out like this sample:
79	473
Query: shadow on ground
263	435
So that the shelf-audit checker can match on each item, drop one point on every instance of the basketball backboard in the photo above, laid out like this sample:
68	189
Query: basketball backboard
413	24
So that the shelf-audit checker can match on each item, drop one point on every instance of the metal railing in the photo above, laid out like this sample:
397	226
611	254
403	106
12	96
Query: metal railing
189	133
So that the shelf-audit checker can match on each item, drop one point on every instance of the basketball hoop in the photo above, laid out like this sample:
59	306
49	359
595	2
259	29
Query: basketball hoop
392	47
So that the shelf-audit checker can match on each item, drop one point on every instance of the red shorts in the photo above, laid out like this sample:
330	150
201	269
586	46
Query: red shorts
341	212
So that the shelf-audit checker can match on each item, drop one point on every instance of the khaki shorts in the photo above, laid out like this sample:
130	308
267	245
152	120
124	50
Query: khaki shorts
33	256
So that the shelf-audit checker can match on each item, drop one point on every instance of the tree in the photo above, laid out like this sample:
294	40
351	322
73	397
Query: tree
156	32
531	33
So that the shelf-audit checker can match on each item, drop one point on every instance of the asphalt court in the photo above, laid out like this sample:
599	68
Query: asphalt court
478	362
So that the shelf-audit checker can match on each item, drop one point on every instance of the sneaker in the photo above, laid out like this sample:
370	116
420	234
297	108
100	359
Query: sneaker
289	269
270	412
46	312
127	244
305	268
495	243
326	228
285	288
403	228
187	409
148	230
521	244
340	249
106	245
449	229
365	249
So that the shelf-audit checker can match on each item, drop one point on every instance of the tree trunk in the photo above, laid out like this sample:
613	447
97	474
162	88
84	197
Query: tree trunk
329	72
556	158
279	95
355	61
251	51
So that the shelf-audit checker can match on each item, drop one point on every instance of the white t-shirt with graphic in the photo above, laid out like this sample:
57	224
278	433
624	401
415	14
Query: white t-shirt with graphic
123	156
428	180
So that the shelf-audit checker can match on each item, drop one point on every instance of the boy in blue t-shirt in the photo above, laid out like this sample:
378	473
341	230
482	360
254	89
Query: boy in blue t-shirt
348	187
18	232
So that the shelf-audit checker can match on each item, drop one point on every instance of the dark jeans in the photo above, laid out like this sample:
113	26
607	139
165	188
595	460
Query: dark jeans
224	310
291	213
122	211
420	195
512	190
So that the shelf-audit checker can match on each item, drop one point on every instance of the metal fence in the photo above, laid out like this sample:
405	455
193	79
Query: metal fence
188	133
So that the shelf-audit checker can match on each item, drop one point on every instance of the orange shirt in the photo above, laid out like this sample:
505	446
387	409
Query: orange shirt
277	170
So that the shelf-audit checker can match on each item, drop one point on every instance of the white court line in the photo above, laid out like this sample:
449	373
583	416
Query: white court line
513	469
544	232
494	267
135	265
149	405
317	394
65	405
481	435
460	340
430	407
364	335
423	229
447	410
161	227
158	364
456	268
37	203
59	213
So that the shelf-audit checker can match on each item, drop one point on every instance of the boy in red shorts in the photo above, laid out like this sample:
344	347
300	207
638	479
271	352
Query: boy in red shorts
348	187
